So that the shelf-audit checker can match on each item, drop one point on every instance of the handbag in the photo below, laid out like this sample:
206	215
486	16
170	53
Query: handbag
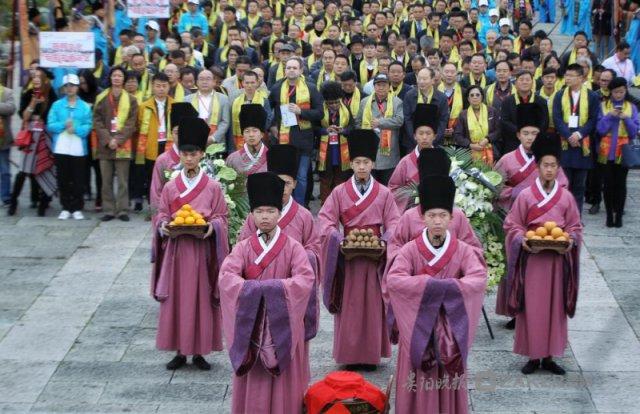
631	154
23	138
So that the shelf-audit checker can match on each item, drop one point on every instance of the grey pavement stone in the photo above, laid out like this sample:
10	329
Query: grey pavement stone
606	352
94	408
112	372
72	392
614	392
38	341
516	400
190	407
142	392
96	352
23	381
14	407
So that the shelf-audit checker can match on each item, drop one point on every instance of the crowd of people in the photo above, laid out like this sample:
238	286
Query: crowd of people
364	94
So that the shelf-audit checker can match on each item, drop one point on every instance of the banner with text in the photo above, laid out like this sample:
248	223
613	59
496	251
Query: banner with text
148	8
67	50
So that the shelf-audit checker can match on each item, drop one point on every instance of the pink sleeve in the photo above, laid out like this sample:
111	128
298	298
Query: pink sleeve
155	191
472	286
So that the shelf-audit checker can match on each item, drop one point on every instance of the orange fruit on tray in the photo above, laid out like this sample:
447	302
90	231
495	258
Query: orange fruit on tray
541	231
178	221
565	235
530	234
550	225
200	222
549	237
536	237
561	238
189	220
557	232
186	207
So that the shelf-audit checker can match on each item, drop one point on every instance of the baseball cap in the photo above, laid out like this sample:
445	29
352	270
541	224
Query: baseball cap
71	79
483	3
380	77
287	48
194	2
153	25
504	22
494	12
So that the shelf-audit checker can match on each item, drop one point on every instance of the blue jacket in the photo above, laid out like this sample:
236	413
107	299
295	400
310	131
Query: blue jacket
188	20
82	120
574	157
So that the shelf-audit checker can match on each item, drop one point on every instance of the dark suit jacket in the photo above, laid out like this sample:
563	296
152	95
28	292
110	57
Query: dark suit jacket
301	139
409	106
508	141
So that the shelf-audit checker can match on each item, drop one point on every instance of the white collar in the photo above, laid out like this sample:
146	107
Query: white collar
251	157
209	95
366	193
190	183
437	252
161	103
528	160
547	197
266	248
417	151
175	148
286	207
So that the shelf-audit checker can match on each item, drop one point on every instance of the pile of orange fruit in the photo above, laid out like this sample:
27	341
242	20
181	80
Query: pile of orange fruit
187	216
548	231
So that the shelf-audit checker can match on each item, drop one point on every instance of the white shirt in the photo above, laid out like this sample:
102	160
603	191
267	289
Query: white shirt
204	106
623	69
162	124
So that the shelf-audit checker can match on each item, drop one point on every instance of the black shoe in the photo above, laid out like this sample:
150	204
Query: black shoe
353	367
511	325
42	208
530	367
617	222
594	209
551	366
201	363
13	206
107	217
123	217
137	207
609	219
177	362
368	367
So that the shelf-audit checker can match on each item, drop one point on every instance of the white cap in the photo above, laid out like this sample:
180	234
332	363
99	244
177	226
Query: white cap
71	79
483	3
504	22
494	12
194	2
153	25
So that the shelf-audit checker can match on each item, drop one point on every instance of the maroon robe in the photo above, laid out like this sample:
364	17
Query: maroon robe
437	297
351	289
264	291
244	163
185	279
518	171
542	287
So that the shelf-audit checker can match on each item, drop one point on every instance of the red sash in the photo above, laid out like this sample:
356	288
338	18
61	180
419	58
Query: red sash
537	211
253	271
287	218
191	195
175	157
356	209
520	176
259	163
428	255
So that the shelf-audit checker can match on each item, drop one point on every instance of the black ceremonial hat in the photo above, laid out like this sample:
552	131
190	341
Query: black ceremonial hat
529	114
546	145
363	143
283	159
192	132
252	115
433	162
426	115
180	110
265	189
438	193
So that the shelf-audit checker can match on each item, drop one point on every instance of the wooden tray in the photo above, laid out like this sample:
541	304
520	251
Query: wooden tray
540	245
372	253
188	230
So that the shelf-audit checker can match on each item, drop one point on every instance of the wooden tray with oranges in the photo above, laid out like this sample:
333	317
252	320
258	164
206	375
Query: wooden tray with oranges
187	222
548	237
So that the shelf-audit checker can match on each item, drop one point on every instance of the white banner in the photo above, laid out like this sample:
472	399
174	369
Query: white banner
148	8
67	50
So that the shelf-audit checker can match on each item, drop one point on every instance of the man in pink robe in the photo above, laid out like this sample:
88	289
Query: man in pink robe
519	171
543	287
405	176
351	289
165	165
296	222
252	157
265	286
436	285
185	277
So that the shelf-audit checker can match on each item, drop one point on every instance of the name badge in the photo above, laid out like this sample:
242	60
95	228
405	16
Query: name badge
162	136
333	139
573	121
114	125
